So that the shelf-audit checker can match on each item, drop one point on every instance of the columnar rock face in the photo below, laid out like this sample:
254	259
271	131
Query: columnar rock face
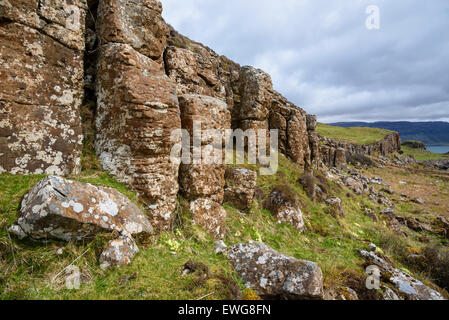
240	187
331	151
137	104
196	69
296	129
137	112
203	178
137	23
41	61
251	113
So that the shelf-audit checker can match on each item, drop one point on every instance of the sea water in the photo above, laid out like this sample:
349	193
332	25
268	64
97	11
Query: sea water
438	149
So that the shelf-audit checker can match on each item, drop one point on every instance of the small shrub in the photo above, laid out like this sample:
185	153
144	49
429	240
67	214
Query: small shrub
437	265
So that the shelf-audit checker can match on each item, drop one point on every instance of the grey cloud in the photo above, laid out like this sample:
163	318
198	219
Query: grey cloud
322	58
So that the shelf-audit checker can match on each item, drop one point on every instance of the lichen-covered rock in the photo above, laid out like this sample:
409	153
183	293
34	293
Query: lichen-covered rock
118	253
62	209
62	20
354	184
389	294
197	72
340	158
255	93
202	182
137	23
274	275
209	215
340	293
137	111
41	61
204	179
285	209
240	187
408	286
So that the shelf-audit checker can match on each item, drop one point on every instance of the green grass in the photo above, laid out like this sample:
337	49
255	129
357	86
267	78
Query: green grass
423	155
355	135
27	269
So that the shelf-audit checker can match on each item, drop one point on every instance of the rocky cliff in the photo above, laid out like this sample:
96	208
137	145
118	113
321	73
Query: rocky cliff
147	80
334	153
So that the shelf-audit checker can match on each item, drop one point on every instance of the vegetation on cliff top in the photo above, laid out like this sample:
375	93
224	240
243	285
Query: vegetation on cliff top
354	135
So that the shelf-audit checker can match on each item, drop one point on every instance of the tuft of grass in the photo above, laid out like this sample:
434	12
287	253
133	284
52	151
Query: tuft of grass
354	135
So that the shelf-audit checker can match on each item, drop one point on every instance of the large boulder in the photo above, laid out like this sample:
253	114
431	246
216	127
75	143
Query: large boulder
240	187
274	275
62	209
409	287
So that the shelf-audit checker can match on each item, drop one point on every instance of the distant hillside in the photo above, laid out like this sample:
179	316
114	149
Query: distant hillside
431	133
356	135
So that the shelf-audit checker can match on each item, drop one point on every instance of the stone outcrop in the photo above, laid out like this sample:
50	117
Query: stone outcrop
297	136
285	208
415	144
41	61
137	105
119	252
203	181
240	187
409	287
335	153
139	69
72	211
274	275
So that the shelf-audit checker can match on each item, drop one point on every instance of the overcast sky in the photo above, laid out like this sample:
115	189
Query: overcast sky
322	57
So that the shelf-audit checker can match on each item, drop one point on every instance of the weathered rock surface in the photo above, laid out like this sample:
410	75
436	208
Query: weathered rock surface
408	286
331	151
202	177
209	215
119	252
341	294
41	61
136	23
137	111
285	209
62	209
274	275
202	181
240	187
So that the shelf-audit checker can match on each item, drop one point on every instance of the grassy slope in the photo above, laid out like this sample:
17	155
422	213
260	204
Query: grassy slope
355	135
27	268
422	155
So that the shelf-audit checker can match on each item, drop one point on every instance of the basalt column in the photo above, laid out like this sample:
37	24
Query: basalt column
41	67
138	107
202	180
